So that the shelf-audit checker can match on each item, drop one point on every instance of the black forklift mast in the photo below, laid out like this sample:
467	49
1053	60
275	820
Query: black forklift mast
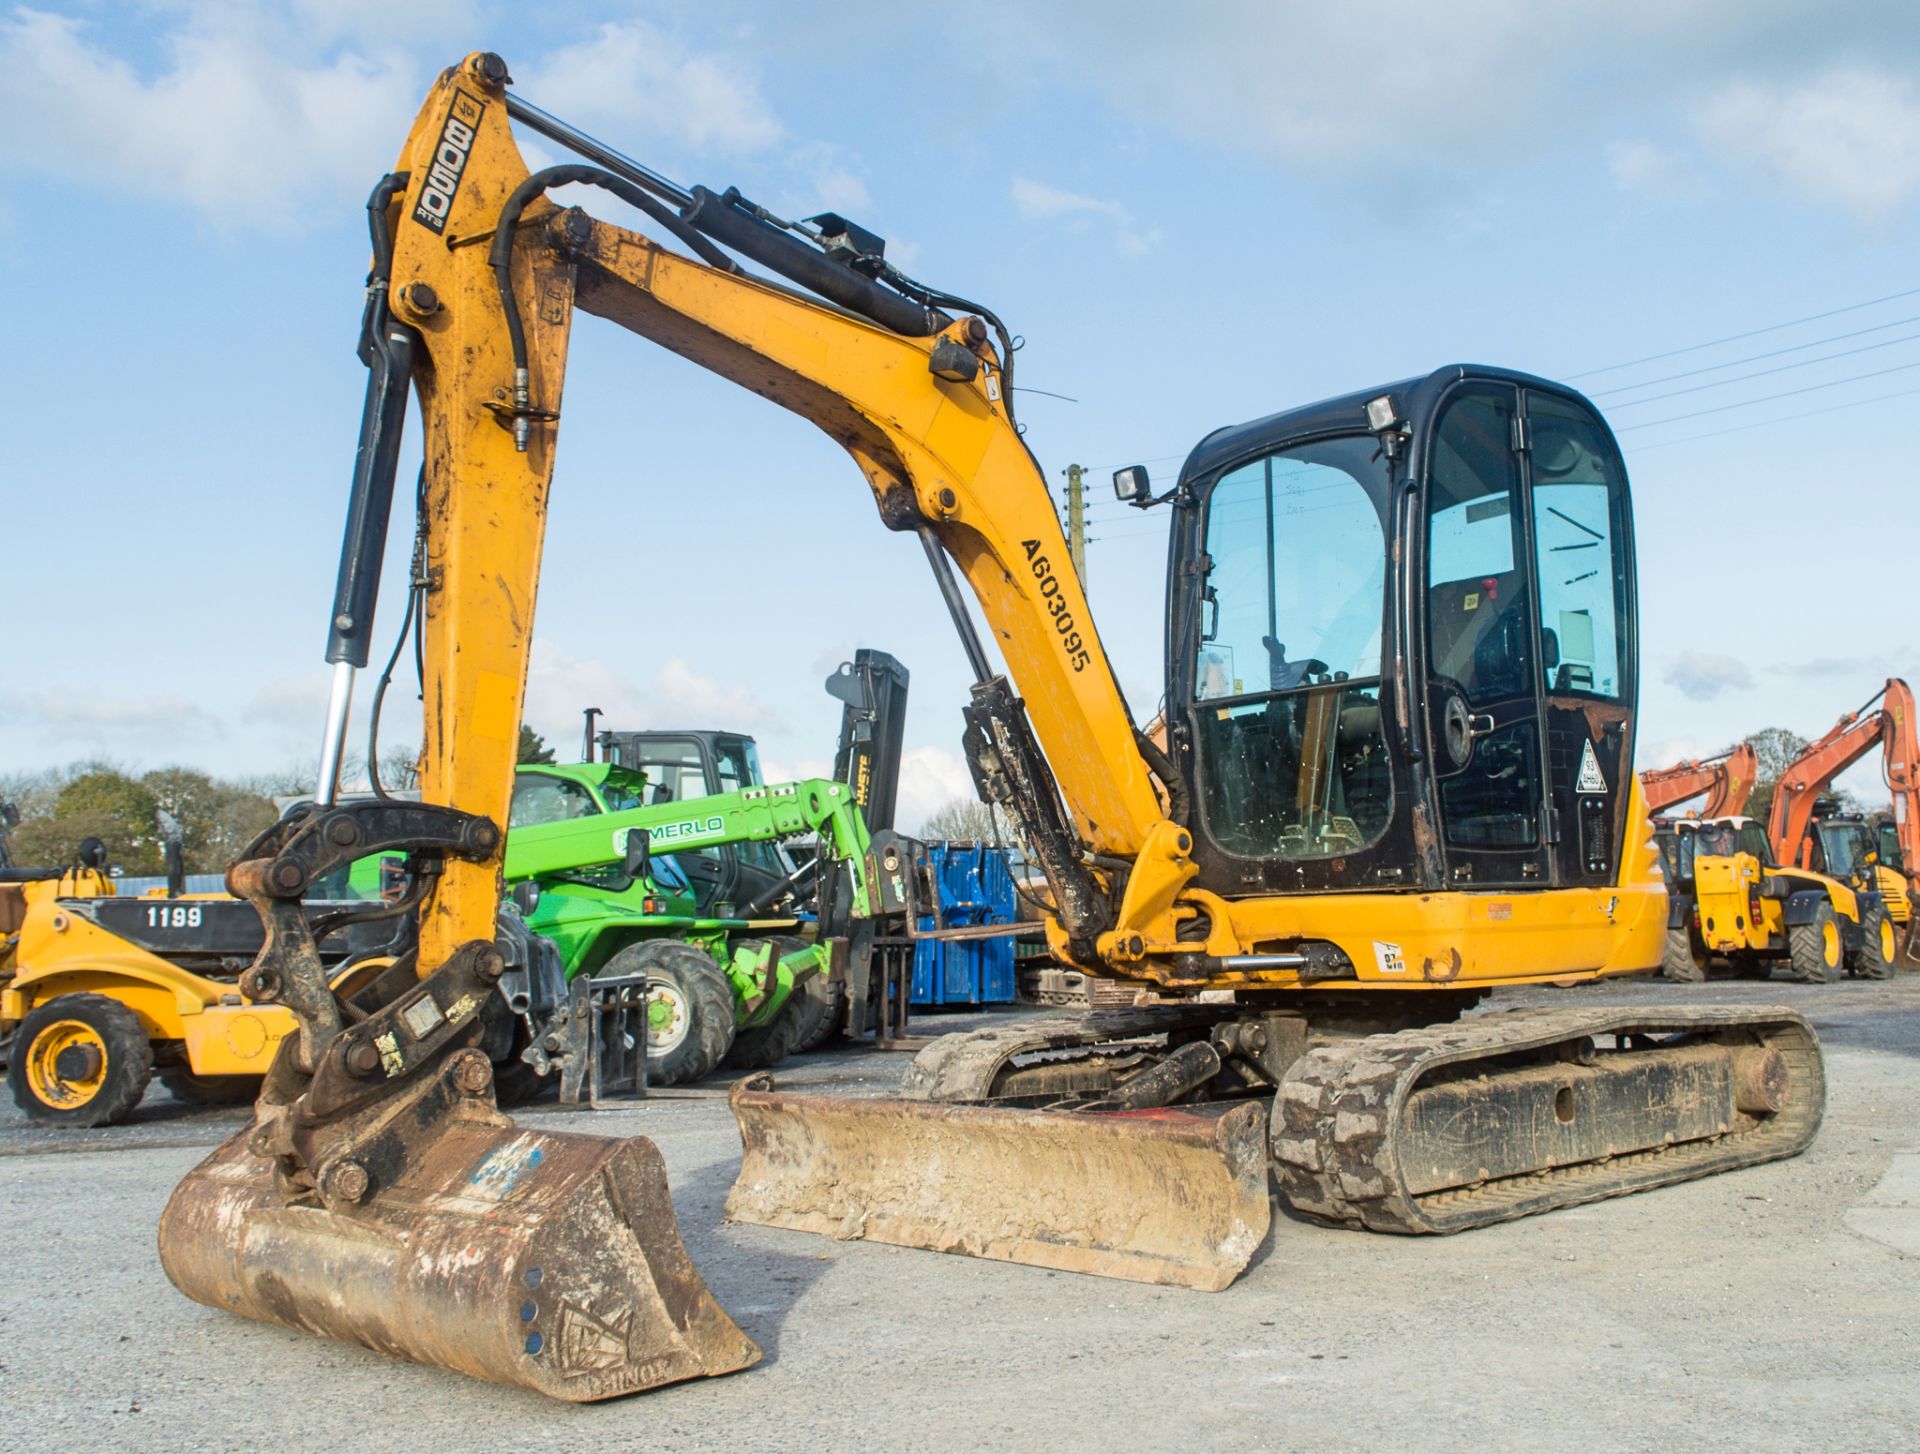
872	690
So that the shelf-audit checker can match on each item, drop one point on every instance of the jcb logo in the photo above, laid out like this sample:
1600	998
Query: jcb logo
449	162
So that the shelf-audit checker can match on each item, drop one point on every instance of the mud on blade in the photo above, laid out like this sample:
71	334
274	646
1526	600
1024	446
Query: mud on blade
547	1261
1176	1196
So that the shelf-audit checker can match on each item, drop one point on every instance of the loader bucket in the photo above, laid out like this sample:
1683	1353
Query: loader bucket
548	1261
1175	1196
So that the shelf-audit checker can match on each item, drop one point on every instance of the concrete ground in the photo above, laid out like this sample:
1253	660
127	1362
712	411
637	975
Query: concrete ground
1771	1309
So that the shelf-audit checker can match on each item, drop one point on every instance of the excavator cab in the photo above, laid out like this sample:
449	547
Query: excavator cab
1448	560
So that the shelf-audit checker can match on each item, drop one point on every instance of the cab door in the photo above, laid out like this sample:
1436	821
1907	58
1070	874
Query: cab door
1482	645
1580	517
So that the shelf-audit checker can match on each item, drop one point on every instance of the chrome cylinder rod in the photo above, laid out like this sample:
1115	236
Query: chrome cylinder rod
333	745
554	129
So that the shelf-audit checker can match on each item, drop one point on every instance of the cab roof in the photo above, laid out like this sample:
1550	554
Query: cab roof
1343	414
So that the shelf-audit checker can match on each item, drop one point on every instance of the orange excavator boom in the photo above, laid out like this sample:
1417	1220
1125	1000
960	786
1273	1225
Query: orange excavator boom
1726	778
1885	720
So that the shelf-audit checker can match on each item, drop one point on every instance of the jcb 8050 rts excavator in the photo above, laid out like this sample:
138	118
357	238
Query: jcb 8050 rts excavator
1401	669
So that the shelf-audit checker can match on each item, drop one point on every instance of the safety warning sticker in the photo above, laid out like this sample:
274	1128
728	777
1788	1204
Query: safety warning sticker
1591	779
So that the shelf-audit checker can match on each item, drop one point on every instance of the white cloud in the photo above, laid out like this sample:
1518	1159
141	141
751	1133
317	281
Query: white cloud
930	778
1665	752
637	77
229	126
94	715
1850	137
269	116
1038	202
560	686
1704	675
1653	170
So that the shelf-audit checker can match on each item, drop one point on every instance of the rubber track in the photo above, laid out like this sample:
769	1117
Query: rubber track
1336	1162
963	1066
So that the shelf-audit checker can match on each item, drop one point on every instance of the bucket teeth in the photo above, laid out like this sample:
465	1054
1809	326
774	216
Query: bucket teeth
547	1261
1175	1196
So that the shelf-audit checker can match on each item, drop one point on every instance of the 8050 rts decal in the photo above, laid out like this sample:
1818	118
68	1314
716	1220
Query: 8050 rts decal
449	162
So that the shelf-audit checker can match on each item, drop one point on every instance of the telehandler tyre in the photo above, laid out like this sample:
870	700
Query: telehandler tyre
764	1046
208	1090
80	1060
1814	948
1877	949
1681	962
690	1017
822	1011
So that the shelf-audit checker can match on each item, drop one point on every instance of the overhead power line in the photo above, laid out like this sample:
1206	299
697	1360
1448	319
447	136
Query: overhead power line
1804	363
1769	398
1782	419
1750	358
1750	333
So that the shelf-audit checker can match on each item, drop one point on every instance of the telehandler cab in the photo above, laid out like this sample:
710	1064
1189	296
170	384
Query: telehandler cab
1401	678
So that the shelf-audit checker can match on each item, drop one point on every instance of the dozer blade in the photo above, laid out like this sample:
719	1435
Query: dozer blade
548	1261
1175	1196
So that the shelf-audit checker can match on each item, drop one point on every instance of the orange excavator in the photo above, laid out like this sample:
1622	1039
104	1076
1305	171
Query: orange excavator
1804	827
1726	778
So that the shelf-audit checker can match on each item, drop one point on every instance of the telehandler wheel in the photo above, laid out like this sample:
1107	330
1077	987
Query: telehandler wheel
1681	961
1814	948
690	1015
208	1090
765	1046
1877	950
80	1060
822	1008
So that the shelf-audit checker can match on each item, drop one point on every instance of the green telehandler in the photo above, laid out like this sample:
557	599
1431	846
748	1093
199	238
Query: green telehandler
594	869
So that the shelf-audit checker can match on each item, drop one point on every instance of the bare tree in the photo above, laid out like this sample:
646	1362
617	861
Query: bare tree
967	820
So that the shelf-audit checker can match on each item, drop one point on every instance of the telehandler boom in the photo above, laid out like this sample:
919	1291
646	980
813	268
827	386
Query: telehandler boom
1401	676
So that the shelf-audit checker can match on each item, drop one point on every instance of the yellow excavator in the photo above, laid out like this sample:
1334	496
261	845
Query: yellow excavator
1401	675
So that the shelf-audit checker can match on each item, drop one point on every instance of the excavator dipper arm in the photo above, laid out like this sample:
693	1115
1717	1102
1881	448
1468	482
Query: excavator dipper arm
380	1197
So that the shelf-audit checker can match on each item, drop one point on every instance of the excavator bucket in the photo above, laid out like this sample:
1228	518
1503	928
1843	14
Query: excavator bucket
1175	1196
544	1260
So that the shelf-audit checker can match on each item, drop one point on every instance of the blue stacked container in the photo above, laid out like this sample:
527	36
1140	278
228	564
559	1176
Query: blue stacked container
975	884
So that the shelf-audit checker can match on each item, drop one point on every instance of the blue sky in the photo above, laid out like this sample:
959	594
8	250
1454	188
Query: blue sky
1193	214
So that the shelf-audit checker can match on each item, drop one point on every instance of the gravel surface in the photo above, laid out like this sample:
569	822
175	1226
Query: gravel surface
1771	1309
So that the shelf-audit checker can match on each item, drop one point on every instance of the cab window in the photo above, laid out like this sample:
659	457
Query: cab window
538	798
1578	533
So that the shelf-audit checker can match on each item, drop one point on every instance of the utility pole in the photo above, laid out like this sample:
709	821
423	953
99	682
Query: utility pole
1077	521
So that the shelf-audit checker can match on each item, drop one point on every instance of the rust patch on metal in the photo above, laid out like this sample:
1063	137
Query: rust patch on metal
1436	971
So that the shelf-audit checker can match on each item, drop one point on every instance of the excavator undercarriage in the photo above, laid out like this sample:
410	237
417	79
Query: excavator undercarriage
1103	1143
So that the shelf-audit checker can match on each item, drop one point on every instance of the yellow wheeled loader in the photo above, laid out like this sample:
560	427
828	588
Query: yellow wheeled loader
1401	683
1729	899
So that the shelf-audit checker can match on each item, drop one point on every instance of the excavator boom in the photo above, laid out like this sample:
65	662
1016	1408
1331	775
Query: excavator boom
1886	721
1726	778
